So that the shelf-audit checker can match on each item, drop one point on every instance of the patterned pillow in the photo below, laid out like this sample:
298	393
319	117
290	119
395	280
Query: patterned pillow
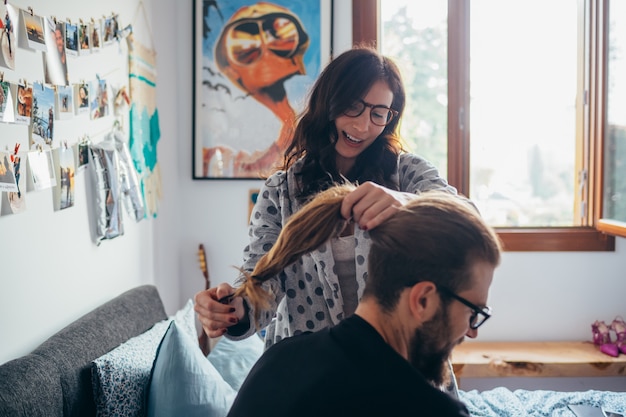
120	377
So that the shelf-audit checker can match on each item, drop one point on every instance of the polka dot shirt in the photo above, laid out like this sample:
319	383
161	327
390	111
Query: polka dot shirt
307	294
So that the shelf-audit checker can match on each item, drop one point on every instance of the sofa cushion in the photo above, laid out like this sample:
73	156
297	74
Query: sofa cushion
120	376
183	382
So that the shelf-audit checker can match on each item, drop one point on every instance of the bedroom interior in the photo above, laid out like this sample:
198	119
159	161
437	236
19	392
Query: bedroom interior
53	272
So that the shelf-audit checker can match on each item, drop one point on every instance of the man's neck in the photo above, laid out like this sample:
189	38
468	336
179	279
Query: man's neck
387	325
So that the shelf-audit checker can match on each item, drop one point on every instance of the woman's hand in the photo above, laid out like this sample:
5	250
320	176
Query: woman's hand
371	204
214	316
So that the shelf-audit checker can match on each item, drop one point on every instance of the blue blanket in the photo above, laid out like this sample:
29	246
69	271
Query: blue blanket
501	402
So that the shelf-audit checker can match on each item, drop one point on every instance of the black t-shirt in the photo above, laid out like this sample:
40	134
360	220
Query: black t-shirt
346	370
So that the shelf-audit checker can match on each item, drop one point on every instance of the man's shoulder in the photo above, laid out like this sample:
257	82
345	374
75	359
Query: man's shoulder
408	397
300	340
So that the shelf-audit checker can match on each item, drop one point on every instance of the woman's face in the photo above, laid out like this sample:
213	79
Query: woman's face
355	134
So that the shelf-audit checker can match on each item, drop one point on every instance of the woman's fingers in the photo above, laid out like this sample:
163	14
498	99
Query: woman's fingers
371	204
214	316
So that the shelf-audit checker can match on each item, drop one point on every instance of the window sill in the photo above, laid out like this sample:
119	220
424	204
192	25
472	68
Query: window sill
558	239
612	227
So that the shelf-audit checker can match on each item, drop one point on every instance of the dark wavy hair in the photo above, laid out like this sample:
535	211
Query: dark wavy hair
345	79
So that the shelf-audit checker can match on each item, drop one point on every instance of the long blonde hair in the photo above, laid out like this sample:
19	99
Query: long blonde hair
435	237
319	220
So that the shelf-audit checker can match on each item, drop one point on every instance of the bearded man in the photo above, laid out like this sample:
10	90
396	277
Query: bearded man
430	267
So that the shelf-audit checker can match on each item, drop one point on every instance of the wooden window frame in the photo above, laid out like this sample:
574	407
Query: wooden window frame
596	237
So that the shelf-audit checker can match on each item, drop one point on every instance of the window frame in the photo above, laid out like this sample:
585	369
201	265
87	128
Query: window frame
594	234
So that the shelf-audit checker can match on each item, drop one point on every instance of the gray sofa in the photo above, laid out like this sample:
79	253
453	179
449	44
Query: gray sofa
55	379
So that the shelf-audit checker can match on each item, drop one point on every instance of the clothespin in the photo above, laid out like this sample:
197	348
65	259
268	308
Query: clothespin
1	76
54	19
14	155
65	144
39	148
68	20
122	95
127	31
30	9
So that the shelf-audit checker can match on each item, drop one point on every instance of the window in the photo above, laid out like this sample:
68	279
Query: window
614	184
535	142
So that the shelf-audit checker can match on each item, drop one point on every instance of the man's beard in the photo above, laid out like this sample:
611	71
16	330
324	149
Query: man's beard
429	350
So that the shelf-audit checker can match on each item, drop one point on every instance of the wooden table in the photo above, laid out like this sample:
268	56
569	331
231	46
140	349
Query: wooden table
534	359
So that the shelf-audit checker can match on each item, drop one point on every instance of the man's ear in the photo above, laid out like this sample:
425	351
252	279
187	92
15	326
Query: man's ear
423	301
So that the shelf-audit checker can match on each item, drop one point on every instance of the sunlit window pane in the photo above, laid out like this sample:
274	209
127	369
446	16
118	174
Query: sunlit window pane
414	34
614	206
523	63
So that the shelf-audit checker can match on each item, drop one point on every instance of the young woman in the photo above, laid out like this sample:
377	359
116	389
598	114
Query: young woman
348	133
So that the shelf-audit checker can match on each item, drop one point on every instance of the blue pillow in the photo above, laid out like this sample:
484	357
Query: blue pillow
183	382
234	358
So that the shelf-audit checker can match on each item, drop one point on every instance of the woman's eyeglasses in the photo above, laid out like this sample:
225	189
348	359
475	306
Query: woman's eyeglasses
479	314
379	115
280	33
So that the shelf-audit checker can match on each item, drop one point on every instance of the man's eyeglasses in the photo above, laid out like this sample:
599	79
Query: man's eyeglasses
379	115
479	314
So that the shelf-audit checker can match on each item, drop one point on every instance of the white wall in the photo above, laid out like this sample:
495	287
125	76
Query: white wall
52	273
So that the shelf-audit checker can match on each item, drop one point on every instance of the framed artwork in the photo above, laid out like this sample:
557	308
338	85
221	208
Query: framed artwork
254	63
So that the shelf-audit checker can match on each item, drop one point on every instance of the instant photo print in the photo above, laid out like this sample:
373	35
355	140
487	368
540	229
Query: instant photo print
82	98
65	102
63	192
32	32
7	177
42	116
71	39
7	106
9	36
41	170
84	46
14	202
23	103
55	58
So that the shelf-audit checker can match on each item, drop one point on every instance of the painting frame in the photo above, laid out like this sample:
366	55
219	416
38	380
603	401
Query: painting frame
242	121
